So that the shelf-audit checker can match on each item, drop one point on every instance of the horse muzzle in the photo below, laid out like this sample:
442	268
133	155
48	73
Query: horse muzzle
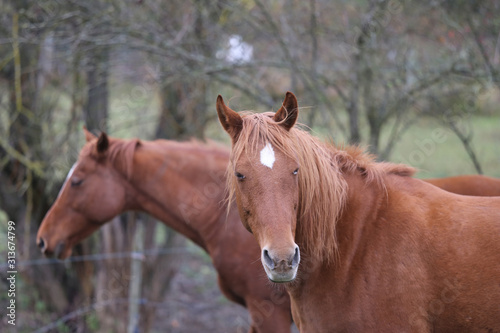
58	252
281	268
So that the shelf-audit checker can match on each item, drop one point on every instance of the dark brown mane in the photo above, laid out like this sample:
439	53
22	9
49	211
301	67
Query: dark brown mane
322	187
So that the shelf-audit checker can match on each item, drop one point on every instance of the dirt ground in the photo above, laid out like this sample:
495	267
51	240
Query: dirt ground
195	303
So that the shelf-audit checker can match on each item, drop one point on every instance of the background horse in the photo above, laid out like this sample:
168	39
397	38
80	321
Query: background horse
362	246
469	185
181	184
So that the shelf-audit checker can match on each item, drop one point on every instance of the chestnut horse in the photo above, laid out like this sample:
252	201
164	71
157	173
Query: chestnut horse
181	184
469	185
361	246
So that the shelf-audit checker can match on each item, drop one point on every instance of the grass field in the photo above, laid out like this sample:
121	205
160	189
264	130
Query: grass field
446	156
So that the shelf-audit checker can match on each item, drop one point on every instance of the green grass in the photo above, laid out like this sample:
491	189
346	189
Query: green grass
446	156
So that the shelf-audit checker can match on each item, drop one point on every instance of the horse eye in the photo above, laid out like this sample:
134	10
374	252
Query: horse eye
76	182
296	171
239	176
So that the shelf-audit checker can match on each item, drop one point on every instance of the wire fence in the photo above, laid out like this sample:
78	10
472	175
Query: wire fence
85	310
99	305
104	256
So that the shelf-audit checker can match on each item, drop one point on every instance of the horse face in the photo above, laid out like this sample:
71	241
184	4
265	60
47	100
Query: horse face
91	195
267	198
267	192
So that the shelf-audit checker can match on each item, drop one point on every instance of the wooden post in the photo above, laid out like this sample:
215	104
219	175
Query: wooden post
136	279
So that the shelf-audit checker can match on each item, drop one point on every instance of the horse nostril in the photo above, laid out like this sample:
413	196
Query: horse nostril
296	257
41	244
267	259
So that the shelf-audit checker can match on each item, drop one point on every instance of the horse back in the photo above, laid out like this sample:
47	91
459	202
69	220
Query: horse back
457	242
476	185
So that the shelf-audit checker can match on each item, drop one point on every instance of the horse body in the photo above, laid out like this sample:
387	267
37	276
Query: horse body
477	185
380	251
181	184
399	269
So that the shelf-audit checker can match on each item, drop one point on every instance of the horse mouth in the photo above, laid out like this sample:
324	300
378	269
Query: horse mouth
280	281
60	252
281	276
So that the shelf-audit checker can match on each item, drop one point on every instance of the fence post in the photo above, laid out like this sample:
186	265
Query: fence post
136	278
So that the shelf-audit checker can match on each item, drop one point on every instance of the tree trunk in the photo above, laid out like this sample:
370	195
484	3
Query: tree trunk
183	111
156	282
23	191
96	108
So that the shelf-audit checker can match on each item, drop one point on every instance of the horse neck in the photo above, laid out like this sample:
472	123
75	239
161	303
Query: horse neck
360	206
359	224
183	186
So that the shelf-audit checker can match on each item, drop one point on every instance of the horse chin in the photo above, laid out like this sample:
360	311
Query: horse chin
62	251
281	277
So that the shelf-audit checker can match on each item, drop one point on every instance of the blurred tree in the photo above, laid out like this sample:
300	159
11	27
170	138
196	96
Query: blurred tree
23	172
96	108
183	110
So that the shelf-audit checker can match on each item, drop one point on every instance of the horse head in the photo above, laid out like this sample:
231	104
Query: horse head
264	180
92	194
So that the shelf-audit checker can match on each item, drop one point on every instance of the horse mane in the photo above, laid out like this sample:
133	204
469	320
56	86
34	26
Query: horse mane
197	145
322	186
121	151
352	158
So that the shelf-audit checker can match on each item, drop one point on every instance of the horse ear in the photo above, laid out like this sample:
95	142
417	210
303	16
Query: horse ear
229	119
288	113
89	136
102	143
